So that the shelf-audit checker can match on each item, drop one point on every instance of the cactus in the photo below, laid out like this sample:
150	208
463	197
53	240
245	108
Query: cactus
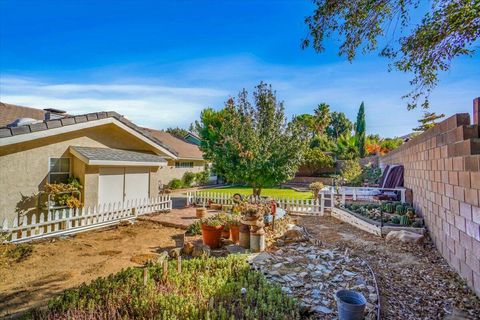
400	210
395	219
404	221
389	207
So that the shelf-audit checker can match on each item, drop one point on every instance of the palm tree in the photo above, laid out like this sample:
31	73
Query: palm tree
347	148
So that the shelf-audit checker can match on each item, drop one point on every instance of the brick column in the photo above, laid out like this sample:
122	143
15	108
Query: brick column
476	110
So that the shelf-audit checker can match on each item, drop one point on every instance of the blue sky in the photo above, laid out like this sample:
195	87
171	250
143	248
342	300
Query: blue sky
160	62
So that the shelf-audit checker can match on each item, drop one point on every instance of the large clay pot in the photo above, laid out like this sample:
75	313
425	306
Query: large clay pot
235	232
212	236
201	213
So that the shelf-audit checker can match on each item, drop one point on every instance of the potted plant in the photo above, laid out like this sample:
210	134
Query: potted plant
235	229
212	232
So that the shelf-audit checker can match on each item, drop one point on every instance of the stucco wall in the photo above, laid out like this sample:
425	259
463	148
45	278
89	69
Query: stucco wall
168	173
24	167
442	167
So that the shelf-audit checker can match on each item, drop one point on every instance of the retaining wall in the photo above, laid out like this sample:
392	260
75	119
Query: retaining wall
442	167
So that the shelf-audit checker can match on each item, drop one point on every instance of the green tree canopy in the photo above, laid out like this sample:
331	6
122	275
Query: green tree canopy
347	147
339	125
360	130
177	132
449	29
250	140
428	121
321	116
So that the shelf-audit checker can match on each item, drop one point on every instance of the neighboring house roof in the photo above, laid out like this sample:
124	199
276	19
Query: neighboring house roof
69	123
184	149
107	156
193	138
10	112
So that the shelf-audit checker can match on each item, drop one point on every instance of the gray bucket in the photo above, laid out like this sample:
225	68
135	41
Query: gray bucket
350	304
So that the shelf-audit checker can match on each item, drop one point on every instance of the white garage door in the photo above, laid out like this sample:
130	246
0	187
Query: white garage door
110	185
122	184
137	182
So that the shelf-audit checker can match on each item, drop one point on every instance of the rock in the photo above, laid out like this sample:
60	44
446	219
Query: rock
188	248
347	273
405	236
234	249
373	297
322	309
293	235
259	258
175	252
371	289
200	250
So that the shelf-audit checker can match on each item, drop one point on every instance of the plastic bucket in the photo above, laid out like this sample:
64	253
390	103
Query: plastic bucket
350	304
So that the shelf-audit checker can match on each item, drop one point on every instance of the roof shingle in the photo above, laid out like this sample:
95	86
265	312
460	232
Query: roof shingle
107	154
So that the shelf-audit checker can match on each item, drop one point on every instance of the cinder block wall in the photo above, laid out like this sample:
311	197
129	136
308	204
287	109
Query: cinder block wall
442	167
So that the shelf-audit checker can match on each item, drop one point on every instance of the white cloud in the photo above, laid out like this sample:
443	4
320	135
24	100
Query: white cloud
175	94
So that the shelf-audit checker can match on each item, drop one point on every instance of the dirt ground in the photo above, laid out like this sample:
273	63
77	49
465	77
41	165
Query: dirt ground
414	281
57	264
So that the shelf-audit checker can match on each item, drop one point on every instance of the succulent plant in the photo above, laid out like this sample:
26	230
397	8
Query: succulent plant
388	207
400	209
404	220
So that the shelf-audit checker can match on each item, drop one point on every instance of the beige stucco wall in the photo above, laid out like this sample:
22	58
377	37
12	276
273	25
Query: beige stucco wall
24	167
168	173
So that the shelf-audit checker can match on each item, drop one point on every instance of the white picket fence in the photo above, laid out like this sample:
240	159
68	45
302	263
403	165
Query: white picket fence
70	221
292	205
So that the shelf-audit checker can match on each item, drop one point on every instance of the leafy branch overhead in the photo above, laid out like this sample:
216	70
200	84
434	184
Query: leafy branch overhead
448	30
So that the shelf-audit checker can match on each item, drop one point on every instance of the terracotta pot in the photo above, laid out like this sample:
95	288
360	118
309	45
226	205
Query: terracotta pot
212	236
216	206
226	233
201	213
235	232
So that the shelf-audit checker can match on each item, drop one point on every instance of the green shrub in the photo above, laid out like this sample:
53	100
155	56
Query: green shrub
175	184
351	172
206	288
188	178
202	177
195	228
18	252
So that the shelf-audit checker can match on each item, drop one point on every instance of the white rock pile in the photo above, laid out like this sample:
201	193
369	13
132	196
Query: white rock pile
313	274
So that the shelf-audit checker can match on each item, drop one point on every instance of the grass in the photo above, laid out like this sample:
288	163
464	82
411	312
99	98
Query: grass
205	288
268	192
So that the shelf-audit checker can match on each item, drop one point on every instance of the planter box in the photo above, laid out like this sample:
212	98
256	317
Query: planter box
369	225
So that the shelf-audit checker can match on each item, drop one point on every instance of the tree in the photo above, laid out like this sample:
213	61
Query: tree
315	160
250	140
321	118
448	30
347	147
306	123
428	121
360	128
177	132
339	125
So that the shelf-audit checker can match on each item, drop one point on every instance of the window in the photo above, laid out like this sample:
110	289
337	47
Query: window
183	164
59	170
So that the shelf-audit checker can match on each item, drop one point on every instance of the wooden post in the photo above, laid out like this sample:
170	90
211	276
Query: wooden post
179	264
145	276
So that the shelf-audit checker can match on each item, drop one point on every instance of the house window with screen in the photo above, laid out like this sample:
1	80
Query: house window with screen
59	170
184	164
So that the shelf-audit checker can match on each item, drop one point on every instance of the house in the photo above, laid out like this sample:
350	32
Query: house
189	156
193	138
113	159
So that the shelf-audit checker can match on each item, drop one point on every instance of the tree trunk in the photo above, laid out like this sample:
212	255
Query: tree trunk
257	191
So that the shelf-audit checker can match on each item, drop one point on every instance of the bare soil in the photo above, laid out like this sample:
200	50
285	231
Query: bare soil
414	281
57	264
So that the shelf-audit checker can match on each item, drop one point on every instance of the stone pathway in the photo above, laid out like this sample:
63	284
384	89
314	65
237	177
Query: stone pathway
177	218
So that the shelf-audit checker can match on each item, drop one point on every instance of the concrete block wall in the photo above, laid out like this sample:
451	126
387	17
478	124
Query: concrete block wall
442	167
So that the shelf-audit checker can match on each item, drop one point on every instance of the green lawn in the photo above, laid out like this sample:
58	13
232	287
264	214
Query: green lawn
271	192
